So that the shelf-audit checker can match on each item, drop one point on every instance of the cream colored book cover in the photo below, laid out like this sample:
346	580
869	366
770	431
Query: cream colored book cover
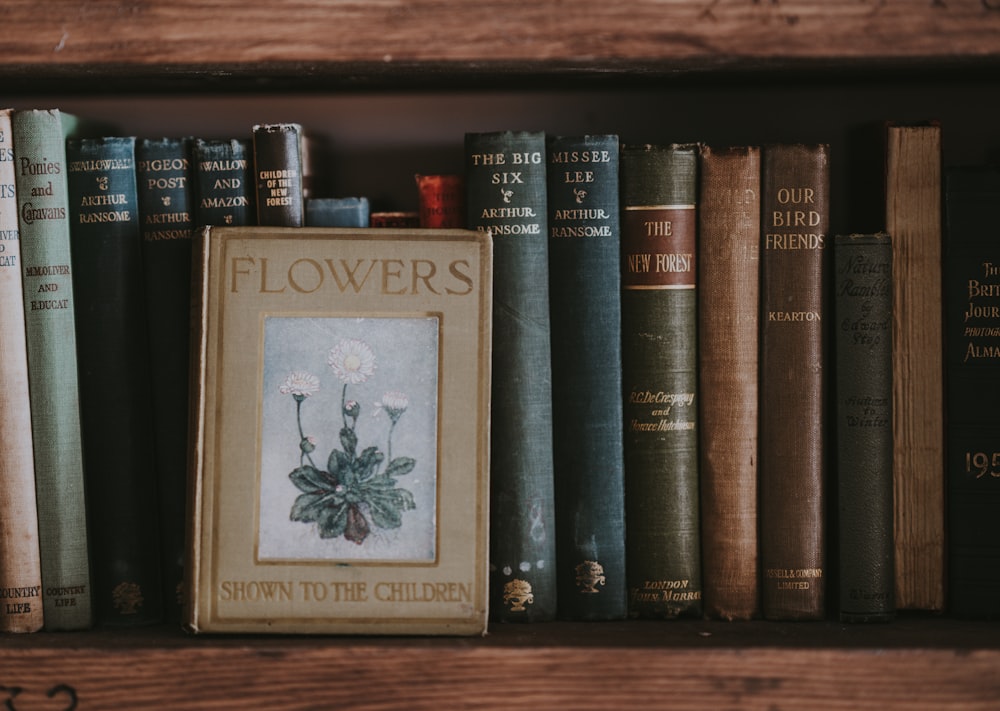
340	449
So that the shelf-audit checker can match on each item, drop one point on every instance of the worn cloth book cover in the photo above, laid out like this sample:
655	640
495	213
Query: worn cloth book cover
795	208
43	208
441	200
659	379
115	380
506	195
340	440
279	174
728	301
338	212
862	301
972	348
222	182
20	562
585	303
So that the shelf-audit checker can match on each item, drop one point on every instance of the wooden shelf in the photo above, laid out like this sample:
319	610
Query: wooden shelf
912	662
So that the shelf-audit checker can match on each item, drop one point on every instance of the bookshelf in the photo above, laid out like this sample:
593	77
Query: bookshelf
394	85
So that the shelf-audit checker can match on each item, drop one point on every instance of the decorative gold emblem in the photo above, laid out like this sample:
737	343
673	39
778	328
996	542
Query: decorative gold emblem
127	598
589	574
517	594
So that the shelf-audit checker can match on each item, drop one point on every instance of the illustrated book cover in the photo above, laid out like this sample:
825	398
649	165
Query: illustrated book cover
340	431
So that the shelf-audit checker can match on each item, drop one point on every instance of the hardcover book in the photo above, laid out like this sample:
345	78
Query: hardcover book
913	188
585	303
728	302
43	202
166	218
441	200
862	289
396	219
115	380
506	195
340	435
795	220
659	377
972	347
223	182
338	212
21	608
279	168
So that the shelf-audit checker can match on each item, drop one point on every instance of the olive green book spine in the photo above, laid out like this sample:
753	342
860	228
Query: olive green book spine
43	202
659	379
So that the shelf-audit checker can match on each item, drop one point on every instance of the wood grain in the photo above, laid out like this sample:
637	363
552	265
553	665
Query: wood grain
340	35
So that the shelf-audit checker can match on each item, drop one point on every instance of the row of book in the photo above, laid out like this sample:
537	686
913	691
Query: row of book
639	465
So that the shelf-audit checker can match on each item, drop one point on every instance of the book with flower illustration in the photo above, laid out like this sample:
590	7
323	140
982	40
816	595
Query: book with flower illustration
340	448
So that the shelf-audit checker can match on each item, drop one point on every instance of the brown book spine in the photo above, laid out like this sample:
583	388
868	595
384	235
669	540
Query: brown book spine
795	221
20	562
728	302
913	218
441	200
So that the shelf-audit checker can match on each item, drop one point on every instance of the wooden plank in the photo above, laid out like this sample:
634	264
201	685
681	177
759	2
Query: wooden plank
177	34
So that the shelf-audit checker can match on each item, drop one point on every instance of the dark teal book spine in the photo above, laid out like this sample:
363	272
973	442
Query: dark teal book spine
585	303
115	392
166	216
972	357
862	305
505	180
659	378
337	212
222	181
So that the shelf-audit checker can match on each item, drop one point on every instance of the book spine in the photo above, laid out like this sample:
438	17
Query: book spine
862	287
913	218
728	310
278	174
337	212
585	305
506	194
972	346
399	219
43	206
441	200
21	609
659	373
223	183
166	216
115	391
795	216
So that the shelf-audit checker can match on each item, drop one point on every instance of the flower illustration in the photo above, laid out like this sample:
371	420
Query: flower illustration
352	360
394	403
300	385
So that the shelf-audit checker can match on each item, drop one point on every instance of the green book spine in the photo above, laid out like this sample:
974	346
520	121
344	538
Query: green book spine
115	392
43	202
166	215
505	180
795	207
862	303
585	296
659	378
972	354
21	608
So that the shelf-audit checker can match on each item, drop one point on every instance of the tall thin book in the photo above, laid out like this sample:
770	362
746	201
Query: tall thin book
913	187
21	607
506	195
340	439
659	379
972	347
585	302
795	207
43	201
728	302
862	301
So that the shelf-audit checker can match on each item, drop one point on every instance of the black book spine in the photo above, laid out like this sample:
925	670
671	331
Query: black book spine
505	180
972	351
115	393
585	303
278	172
863	348
222	175
166	216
